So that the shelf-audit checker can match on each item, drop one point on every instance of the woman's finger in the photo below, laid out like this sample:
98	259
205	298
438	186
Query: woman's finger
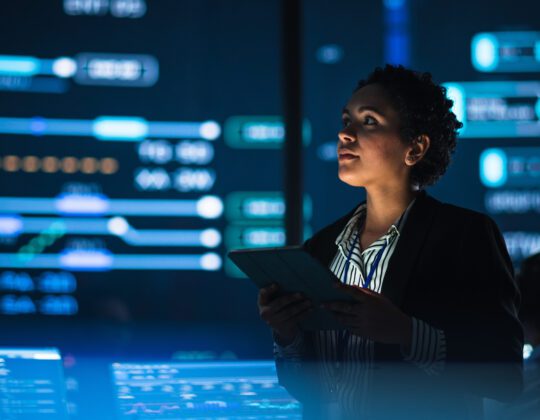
280	303
358	293
341	307
292	311
266	294
270	312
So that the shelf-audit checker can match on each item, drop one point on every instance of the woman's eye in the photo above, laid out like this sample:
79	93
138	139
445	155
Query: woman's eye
370	120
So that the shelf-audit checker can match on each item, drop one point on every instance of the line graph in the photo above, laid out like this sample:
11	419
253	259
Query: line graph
235	389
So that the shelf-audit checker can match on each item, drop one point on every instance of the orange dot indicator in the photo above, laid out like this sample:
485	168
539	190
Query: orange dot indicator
50	164
89	165
108	166
70	165
11	163
30	164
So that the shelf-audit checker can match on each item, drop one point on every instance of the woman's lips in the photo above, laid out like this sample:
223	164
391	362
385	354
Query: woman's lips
347	156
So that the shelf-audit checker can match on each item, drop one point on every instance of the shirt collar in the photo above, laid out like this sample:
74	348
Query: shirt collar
347	234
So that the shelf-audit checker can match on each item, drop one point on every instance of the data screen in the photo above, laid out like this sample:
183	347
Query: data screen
139	142
228	390
32	385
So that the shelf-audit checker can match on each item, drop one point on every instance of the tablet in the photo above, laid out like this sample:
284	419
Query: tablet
295	270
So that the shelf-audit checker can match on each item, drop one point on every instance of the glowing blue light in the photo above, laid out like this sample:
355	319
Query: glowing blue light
120	128
12	305
394	4
456	93
210	130
64	67
110	128
118	226
329	54
527	351
20	282
58	305
210	238
38	126
163	238
207	207
82	204
537	108
485	52
10	226
210	207
19	66
86	260
493	168
36	354
103	260
537	50
210	262
53	282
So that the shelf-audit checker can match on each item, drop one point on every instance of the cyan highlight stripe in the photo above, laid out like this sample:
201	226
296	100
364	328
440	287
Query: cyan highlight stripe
120	206
111	262
110	128
14	225
19	65
120	128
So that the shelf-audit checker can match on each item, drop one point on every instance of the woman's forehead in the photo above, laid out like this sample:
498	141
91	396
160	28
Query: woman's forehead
371	96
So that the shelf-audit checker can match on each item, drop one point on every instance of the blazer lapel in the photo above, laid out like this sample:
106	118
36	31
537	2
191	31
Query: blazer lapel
408	248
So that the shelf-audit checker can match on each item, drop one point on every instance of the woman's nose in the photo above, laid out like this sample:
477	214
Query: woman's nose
345	136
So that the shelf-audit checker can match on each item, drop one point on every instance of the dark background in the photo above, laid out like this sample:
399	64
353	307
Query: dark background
219	59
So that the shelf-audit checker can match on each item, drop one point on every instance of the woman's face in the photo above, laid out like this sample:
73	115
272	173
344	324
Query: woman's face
370	150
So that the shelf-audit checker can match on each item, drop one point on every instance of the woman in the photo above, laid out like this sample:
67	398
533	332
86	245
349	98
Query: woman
435	319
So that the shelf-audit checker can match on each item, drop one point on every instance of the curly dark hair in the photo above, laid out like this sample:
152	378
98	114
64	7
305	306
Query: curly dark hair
423	109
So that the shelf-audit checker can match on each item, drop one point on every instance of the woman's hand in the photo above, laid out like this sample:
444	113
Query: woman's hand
373	316
283	313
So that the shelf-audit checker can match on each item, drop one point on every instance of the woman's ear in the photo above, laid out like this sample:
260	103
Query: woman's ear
418	149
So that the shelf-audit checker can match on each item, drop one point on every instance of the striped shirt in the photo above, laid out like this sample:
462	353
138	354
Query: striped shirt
350	386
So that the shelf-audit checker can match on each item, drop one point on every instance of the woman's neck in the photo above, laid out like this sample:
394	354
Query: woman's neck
384	206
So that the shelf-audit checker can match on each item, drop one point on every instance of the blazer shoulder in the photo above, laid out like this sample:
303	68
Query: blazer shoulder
451	212
477	226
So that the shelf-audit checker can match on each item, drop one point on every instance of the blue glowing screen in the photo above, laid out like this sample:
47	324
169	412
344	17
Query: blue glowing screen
140	141
232	390
32	385
137	146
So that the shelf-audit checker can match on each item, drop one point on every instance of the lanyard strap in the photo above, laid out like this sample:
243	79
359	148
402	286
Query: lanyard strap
343	339
367	281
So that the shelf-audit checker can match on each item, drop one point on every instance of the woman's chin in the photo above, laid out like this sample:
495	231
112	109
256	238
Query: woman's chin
350	179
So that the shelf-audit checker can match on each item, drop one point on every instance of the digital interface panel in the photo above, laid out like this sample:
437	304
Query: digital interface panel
227	390
140	141
132	159
32	385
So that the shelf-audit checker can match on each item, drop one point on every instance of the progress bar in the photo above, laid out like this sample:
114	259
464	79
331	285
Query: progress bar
110	128
12	226
206	207
105	261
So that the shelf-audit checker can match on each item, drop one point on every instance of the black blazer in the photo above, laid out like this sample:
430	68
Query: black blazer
451	269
